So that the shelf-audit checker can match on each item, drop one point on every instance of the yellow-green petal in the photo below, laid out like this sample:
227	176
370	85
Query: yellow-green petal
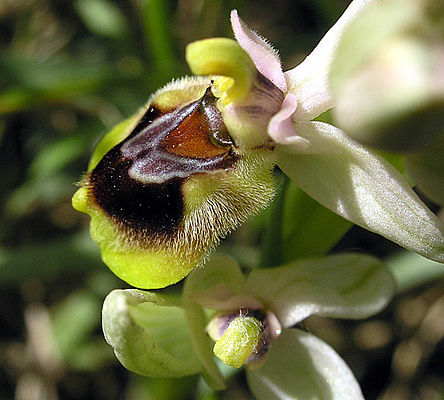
221	56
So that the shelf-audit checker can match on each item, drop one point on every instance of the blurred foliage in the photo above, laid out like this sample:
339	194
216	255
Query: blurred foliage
68	72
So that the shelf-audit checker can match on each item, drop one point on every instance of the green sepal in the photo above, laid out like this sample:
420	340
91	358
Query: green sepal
197	323
364	188
389	19
220	285
148	334
339	286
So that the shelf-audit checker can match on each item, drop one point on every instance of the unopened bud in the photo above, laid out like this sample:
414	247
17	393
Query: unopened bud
239	341
243	337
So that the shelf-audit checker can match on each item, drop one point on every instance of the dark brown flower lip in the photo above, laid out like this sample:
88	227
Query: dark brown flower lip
138	183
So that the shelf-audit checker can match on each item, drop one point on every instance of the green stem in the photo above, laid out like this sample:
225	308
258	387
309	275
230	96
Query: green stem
272	250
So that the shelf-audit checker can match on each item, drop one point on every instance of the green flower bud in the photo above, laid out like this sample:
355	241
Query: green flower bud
243	337
239	341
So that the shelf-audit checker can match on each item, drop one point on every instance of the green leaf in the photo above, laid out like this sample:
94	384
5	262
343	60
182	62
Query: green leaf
49	178
30	84
102	17
149	334
300	366
160	388
309	229
91	355
73	320
271	249
43	260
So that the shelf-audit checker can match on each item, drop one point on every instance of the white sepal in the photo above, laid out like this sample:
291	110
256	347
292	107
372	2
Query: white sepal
300	366
309	80
339	286
363	188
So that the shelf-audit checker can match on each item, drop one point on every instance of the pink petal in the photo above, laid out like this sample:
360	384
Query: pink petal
280	127
264	57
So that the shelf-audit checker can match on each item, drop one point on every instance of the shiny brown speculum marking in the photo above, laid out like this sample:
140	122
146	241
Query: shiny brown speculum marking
138	183
202	134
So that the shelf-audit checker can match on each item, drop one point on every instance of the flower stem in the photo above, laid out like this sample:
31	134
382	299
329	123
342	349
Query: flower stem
272	250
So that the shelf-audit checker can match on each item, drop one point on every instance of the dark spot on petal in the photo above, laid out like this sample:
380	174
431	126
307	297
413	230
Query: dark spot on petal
201	134
150	115
155	208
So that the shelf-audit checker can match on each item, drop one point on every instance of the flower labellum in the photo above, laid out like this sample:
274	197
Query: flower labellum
164	186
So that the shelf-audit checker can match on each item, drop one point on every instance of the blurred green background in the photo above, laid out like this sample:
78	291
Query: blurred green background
70	70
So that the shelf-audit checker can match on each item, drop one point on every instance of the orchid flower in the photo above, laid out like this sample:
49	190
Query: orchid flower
338	172
164	186
251	321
